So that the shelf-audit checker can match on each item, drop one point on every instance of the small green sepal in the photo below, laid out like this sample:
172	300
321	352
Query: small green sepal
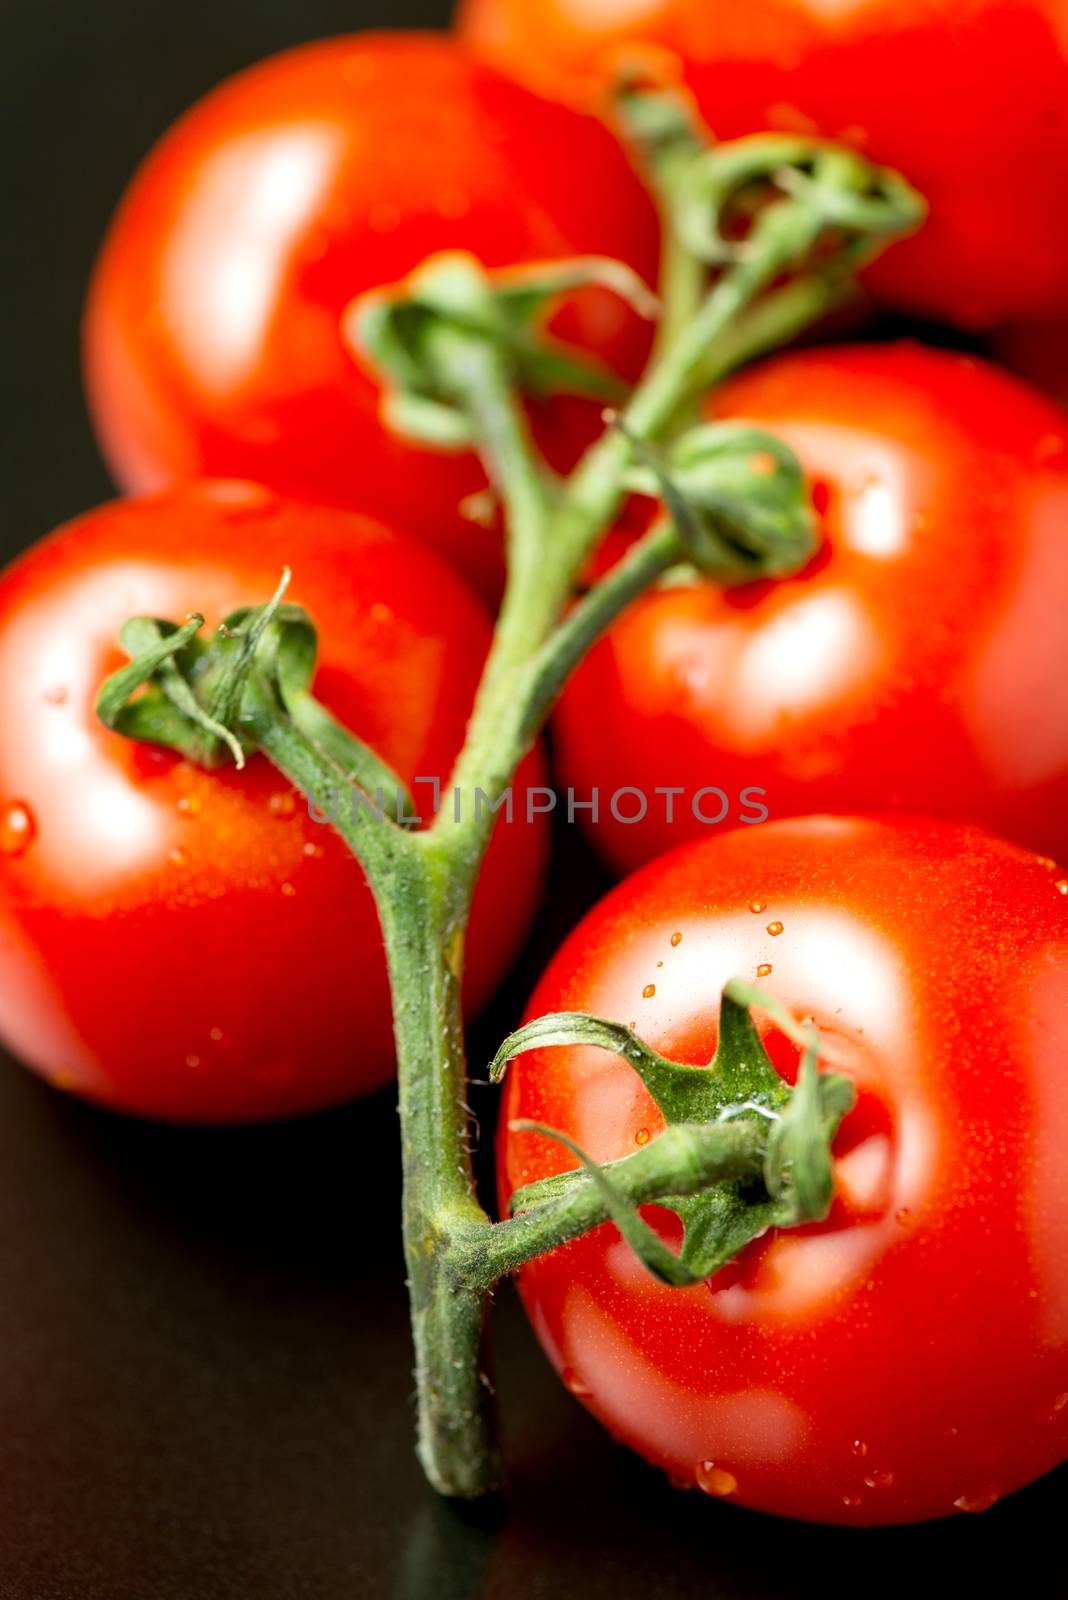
402	329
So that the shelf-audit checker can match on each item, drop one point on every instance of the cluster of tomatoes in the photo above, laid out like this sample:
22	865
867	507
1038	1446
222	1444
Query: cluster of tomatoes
195	945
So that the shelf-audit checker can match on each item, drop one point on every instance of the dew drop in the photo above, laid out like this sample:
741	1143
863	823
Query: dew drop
380	612
660	963
313	851
193	1063
714	1480
1061	885
1054	1409
902	1214
574	1384
756	906
283	805
676	939
881	1479
859	1447
176	858
764	969
288	890
979	1499
58	695
852	1500
775	928
18	829
1046	862
642	1136
190	805
215	1035
648	991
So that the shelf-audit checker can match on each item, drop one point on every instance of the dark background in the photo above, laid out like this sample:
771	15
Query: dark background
205	1384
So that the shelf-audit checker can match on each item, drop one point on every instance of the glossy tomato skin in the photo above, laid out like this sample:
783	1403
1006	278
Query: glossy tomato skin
212	331
909	1357
969	98
192	945
919	663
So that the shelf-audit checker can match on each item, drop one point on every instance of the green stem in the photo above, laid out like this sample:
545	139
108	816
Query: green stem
423	925
679	1162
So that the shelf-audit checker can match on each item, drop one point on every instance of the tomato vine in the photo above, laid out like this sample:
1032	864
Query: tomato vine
763	237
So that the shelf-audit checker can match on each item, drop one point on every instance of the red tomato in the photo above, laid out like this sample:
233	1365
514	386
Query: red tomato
920	661
1038	351
212	332
969	98
192	945
834	1372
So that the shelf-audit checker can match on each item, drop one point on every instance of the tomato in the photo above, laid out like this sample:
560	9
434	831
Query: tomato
193	945
212	330
918	663
1038	351
969	98
833	1372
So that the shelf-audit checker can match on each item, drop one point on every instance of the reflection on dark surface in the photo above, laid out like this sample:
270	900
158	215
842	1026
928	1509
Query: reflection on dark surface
205	1387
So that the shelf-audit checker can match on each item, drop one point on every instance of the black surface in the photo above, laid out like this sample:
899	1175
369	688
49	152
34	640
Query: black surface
204	1384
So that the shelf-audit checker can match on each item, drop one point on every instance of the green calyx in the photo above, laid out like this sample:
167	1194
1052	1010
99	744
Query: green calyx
215	701
504	311
718	196
789	1177
737	499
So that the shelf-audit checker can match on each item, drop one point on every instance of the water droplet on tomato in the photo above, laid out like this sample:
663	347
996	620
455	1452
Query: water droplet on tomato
58	695
190	805
714	1480
176	858
676	939
288	890
881	1479
1061	885
979	1499
313	851
775	928
902	1214
859	1447
1045	861
215	1035
764	969
648	991
574	1384
194	1063
283	805
852	1500
756	906
642	1136
18	828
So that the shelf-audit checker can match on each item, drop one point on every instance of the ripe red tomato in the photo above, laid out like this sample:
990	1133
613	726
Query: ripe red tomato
920	661
212	330
969	98
832	1372
1038	351
192	945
